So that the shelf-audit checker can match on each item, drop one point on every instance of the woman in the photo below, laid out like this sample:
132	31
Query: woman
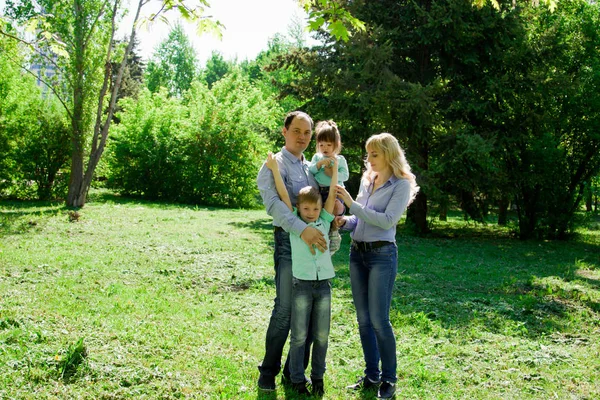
387	188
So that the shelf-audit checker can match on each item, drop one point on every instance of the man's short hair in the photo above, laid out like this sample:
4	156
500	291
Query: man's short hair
300	114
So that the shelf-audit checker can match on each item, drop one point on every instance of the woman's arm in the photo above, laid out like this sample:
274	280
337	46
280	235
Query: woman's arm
396	206
271	163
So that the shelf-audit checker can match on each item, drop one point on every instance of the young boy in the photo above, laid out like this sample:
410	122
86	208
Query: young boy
311	289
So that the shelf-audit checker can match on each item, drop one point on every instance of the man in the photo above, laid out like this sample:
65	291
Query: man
293	167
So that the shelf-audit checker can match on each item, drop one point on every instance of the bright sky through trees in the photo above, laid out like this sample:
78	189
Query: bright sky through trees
248	26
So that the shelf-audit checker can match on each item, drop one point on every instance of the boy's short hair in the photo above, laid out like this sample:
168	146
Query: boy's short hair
327	131
308	194
289	118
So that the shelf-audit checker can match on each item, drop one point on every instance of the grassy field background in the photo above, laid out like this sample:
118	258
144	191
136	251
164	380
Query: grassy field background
148	300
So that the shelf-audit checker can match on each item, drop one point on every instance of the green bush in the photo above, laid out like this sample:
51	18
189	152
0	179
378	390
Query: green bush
34	138
147	154
204	149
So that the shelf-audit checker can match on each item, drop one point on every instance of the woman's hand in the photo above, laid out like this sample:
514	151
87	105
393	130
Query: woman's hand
271	162
343	194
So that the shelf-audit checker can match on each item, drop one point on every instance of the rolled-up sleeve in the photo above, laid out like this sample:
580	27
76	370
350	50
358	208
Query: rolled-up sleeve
312	167
350	223
343	173
282	216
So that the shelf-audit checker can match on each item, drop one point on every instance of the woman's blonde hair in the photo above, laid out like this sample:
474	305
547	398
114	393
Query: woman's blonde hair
387	145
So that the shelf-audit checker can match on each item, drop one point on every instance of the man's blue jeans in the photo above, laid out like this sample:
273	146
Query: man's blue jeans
372	275
279	324
311	305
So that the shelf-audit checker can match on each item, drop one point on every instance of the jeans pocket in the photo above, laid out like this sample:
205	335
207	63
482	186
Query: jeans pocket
388	250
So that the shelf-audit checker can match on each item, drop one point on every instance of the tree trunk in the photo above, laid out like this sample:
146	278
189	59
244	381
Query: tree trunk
503	211
527	210
416	215
444	209
81	181
75	198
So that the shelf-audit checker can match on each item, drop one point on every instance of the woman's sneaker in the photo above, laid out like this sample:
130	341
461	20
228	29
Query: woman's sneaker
364	383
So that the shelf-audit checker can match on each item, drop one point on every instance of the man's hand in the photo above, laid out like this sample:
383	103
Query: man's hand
314	237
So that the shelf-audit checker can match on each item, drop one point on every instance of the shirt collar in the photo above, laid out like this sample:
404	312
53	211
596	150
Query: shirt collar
392	179
292	158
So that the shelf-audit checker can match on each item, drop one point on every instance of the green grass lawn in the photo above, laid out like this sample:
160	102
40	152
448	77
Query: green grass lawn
173	301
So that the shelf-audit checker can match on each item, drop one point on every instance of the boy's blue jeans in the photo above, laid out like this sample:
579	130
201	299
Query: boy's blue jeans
311	312
372	276
279	323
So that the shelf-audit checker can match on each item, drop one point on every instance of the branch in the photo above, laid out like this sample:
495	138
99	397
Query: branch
45	83
86	40
107	74
50	60
158	12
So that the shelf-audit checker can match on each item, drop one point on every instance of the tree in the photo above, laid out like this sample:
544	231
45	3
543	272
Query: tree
34	134
491	102
81	33
205	148
216	68
173	65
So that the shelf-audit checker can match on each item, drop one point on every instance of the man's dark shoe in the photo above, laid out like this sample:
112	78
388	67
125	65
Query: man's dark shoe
387	390
300	388
318	387
266	383
364	383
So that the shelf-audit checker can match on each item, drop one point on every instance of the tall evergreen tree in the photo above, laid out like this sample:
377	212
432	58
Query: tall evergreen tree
174	64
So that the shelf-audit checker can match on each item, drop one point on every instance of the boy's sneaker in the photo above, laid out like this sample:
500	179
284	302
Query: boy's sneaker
318	387
300	388
387	390
335	240
266	383
364	383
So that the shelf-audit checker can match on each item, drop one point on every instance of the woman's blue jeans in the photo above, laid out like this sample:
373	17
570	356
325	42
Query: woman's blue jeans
372	276
311	306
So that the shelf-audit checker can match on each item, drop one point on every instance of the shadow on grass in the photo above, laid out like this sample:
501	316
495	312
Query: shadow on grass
263	225
19	217
105	196
504	285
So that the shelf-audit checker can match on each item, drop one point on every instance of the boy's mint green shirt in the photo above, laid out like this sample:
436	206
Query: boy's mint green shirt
305	265
321	177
